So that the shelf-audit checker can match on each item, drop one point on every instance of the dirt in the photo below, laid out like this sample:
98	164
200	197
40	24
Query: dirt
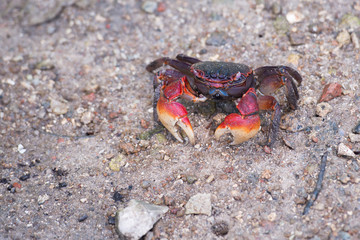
75	97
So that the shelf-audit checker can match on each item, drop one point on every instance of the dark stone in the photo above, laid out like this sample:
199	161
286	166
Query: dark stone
4	181
111	220
118	196
220	228
356	129
25	177
62	184
83	218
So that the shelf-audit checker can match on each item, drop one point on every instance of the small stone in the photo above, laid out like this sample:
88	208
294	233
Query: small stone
137	219
319	206
289	143
350	21
294	17
217	38
296	38
236	195
25	177
294	58
210	178
344	179
356	129
314	28
343	236
266	174
330	91
323	108
83	218
43	198
272	216
281	25
199	204
276	8
117	162
343	37
21	149
354	137
220	228
86	117
161	7
344	150
58	107
145	184
118	196
149	6
190	179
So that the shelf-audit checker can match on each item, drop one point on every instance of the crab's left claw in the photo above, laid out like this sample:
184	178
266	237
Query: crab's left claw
241	127
173	115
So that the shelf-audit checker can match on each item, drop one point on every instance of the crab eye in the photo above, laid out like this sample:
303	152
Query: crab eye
238	76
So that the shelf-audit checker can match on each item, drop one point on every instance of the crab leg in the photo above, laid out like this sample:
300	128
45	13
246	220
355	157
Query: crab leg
246	123
270	103
271	78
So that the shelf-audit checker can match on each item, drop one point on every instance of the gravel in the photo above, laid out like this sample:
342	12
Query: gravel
75	95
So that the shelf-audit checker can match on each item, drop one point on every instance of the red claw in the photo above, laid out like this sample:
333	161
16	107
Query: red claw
174	113
242	128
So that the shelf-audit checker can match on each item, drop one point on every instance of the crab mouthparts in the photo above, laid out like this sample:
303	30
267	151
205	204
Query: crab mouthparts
218	93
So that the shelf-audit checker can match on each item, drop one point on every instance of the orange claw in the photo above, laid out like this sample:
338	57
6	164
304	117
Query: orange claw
242	128
174	113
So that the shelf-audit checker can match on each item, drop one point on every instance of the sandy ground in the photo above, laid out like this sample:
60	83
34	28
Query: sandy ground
75	100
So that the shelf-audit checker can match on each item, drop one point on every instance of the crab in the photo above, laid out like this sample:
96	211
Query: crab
197	81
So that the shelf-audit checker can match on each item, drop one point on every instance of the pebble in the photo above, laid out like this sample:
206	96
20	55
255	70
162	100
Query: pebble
43	198
220	228
83	218
344	179
21	149
296	38
272	216
344	150
199	204
118	196
289	143
343	37
356	129
314	28
86	117
210	178
117	162
354	137
236	195
137	219
58	107
281	25
190	179
217	38
330	91
294	17
149	6
145	184
323	108
25	177
349	21
276	8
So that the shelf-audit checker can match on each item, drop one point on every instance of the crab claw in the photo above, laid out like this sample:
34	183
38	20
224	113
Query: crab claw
174	113
242	128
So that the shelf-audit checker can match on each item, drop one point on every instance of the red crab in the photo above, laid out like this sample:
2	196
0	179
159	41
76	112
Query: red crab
197	81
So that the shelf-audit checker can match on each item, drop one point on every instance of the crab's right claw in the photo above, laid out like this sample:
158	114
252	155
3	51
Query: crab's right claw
242	128
174	113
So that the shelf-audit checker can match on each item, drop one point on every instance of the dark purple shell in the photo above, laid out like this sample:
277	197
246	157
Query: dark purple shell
222	80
